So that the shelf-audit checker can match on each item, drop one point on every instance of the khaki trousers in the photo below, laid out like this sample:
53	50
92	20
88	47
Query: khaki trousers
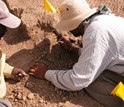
102	87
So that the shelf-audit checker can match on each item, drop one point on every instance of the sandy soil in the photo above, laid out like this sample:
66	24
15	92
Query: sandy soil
36	41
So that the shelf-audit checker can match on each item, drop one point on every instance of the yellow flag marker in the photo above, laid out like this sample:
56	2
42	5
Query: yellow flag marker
119	90
49	7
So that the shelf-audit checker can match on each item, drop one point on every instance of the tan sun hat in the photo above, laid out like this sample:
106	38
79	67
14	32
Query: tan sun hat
72	13
6	18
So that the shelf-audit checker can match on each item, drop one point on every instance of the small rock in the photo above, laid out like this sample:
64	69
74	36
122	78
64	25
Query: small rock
18	88
56	89
60	104
67	102
14	91
19	96
41	101
10	97
16	100
30	96
29	85
24	98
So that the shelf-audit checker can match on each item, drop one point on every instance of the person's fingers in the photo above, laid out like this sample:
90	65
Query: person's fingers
65	38
30	73
60	39
20	74
12	76
32	70
23	73
61	42
17	78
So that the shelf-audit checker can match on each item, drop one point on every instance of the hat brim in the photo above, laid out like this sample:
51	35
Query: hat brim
68	25
11	21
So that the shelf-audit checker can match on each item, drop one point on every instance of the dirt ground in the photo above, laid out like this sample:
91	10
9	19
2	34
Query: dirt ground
36	41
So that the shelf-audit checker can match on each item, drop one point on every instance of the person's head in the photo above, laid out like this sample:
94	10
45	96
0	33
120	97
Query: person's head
7	19
72	13
78	31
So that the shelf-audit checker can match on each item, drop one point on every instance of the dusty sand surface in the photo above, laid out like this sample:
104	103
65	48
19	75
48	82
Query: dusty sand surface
36	41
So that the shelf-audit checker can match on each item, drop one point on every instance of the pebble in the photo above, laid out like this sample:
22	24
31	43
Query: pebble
15	100
10	97
24	98
41	101
67	102
56	89
29	85
30	96
60	104
19	96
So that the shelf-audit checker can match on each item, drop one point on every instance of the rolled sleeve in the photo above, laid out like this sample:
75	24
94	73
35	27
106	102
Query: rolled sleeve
7	70
48	74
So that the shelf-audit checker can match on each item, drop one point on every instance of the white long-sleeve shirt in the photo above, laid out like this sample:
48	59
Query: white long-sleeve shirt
103	48
5	71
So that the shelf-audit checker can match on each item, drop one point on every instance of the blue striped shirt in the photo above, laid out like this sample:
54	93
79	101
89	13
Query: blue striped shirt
103	48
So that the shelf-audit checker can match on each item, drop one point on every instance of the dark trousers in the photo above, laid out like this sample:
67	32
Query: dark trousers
102	87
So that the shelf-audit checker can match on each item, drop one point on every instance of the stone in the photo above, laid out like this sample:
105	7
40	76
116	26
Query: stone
30	96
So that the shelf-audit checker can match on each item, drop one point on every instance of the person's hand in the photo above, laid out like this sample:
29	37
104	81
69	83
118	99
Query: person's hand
17	74
38	70
65	42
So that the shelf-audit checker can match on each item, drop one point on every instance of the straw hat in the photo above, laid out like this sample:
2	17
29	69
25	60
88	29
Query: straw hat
72	13
6	18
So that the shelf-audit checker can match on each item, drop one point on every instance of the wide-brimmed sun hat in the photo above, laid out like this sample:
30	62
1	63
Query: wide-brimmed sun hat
72	13
6	18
